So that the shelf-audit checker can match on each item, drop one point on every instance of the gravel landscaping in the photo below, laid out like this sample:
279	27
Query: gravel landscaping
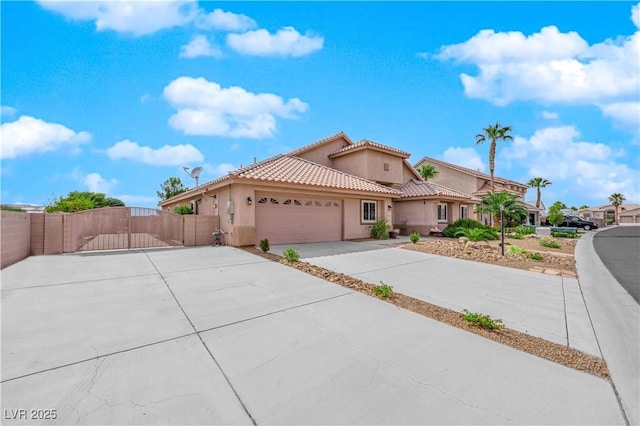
560	259
479	252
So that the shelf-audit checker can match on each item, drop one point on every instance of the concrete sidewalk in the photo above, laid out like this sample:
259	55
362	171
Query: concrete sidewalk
219	336
543	305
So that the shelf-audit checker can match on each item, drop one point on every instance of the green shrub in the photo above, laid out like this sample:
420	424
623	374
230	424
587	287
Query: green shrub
414	237
182	209
517	250
516	236
525	230
380	230
383	290
11	208
481	320
264	245
555	218
450	231
549	243
535	256
291	255
476	234
563	234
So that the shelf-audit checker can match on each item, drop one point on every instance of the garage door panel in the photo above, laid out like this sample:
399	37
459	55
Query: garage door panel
285	220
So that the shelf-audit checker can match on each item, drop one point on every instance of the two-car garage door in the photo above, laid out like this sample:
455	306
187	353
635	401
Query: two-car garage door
289	219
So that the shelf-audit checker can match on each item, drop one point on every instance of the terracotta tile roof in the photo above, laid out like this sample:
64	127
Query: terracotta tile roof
320	142
486	188
367	143
420	188
290	169
472	172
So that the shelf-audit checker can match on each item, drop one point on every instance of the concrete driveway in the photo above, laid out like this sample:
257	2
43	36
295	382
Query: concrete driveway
219	336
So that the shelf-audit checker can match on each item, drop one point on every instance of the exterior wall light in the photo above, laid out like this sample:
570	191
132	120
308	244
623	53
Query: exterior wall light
249	201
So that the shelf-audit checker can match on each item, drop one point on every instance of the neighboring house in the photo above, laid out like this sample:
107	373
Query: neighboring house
605	215
330	190
630	216
478	184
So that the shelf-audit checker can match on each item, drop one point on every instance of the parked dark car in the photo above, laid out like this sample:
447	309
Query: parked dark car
576	222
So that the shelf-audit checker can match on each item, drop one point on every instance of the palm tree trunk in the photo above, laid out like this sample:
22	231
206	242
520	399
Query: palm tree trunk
538	199
492	159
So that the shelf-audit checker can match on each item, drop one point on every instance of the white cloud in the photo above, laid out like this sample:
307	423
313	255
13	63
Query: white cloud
224	21
219	170
635	15
29	135
548	115
165	156
465	157
200	46
590	169
96	183
286	42
146	98
206	108
626	113
551	67
7	111
134	17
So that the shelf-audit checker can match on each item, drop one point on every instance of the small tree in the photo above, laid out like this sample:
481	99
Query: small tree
538	182
182	209
82	200
513	207
170	188
555	217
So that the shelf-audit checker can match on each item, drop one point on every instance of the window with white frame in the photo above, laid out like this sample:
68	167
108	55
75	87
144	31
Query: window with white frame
368	211
442	212
464	211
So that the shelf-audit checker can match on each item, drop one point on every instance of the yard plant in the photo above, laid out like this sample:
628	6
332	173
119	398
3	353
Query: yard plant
383	290
264	245
182	209
476	234
380	229
450	231
549	243
414	237
481	320
291	255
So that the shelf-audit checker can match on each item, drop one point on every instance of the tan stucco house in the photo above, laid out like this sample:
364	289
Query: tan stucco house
602	215
331	190
478	184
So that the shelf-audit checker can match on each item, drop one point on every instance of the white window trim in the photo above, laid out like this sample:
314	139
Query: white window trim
446	213
375	204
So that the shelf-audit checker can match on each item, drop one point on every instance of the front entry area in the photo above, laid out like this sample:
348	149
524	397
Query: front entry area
290	219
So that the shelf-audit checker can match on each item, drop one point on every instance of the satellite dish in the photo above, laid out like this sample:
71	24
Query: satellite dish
196	172
193	173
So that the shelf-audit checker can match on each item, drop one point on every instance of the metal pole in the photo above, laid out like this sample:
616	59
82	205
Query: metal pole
502	228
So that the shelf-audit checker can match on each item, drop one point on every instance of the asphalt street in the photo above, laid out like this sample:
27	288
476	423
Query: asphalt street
619	250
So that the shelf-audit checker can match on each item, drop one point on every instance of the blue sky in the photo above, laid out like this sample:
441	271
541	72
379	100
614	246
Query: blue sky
116	97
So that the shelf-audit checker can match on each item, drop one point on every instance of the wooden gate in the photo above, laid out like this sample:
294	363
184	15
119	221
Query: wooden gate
115	228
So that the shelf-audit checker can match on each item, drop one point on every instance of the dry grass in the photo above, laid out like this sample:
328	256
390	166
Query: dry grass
537	346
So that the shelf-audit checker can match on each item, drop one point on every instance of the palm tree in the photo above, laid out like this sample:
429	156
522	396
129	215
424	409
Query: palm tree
428	171
493	133
491	203
616	201
538	182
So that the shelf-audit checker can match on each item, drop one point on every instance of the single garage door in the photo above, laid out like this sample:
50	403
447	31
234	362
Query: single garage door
285	219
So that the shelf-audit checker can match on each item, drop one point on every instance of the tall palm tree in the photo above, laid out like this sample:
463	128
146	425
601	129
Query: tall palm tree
493	133
428	171
616	201
491	203
538	182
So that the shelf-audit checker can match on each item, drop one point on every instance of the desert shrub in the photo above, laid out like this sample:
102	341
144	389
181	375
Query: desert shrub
524	230
380	229
291	255
549	243
383	290
264	245
535	256
516	236
450	231
481	320
517	250
182	209
414	237
476	234
563	234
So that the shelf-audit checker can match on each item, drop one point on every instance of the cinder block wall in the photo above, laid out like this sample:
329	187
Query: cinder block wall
15	233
